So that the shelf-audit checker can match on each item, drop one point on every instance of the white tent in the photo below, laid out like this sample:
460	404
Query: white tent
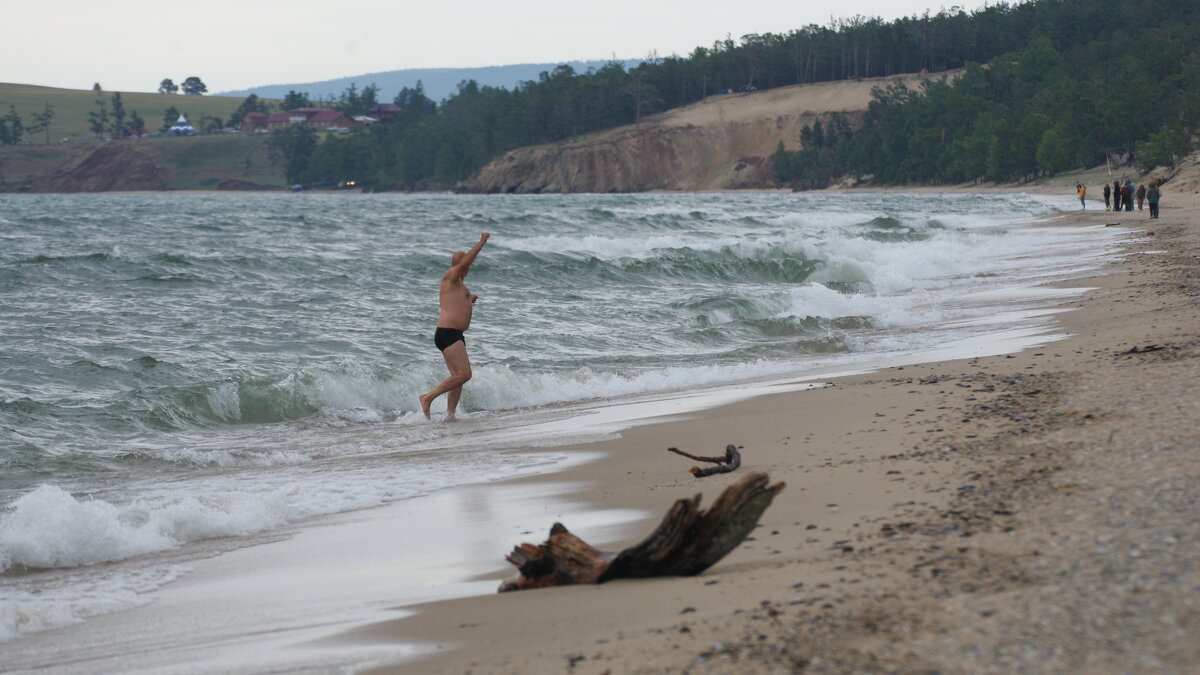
181	128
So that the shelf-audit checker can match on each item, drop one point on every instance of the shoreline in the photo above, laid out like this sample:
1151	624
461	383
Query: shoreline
1059	184
919	529
876	461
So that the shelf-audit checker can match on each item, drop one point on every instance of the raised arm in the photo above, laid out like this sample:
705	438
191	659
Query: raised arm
465	264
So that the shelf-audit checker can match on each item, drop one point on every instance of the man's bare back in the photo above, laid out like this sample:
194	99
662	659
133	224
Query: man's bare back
457	304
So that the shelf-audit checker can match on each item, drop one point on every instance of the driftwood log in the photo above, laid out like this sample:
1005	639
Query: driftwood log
730	461
686	542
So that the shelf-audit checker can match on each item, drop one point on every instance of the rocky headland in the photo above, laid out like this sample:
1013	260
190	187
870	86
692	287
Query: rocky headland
724	142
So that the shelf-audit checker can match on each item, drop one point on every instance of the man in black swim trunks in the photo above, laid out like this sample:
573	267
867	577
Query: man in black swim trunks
456	303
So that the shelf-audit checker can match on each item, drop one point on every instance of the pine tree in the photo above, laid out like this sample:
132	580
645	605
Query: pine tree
15	128
294	99
41	121
170	116
252	104
117	117
98	118
781	162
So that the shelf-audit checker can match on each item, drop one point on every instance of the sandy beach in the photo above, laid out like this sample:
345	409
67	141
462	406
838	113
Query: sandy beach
1017	502
1029	512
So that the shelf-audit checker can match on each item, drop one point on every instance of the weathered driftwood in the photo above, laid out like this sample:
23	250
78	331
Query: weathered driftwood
731	461
686	542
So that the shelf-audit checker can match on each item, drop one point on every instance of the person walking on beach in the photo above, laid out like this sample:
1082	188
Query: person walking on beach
456	304
1127	195
1141	195
1152	196
1082	192
1107	194
1116	195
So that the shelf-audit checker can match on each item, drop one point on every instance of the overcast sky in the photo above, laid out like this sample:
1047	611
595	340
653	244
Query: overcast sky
246	43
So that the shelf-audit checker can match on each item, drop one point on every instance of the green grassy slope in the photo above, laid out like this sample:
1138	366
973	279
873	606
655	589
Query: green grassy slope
202	162
187	163
71	108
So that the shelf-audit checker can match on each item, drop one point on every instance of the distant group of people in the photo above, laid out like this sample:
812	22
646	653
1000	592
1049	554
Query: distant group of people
1122	196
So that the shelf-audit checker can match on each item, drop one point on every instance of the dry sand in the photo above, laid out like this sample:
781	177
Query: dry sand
761	108
1035	512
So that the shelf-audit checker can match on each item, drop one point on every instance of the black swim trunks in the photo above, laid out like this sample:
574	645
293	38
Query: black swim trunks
444	337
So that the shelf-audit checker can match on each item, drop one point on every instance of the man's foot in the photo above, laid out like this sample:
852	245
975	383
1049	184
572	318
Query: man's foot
425	401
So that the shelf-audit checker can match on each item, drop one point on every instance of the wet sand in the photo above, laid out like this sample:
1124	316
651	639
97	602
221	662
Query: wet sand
1031	512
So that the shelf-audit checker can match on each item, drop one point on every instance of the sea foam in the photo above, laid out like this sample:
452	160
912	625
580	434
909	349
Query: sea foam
73	598
49	528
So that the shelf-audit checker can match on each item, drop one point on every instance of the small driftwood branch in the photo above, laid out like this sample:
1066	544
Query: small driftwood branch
731	461
686	542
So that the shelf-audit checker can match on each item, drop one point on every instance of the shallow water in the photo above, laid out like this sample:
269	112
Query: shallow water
178	368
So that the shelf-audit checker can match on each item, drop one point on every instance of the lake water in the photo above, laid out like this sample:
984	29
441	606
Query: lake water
178	368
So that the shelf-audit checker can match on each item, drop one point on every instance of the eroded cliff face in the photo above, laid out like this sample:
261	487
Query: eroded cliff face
102	168
724	142
652	158
109	168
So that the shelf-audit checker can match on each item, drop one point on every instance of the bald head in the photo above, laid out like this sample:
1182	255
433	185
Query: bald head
456	257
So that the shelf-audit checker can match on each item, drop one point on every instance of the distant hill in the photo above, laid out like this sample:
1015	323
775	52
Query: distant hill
439	83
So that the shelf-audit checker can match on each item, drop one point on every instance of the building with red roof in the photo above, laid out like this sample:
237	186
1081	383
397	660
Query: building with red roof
314	118
385	112
254	121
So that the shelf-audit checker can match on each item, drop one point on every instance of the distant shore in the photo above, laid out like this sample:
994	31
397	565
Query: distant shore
1063	184
1030	512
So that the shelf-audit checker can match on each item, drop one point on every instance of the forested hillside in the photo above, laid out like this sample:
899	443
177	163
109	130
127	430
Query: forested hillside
1131	94
1050	84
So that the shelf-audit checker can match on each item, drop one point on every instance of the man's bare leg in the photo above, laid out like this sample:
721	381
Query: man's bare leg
460	371
452	397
